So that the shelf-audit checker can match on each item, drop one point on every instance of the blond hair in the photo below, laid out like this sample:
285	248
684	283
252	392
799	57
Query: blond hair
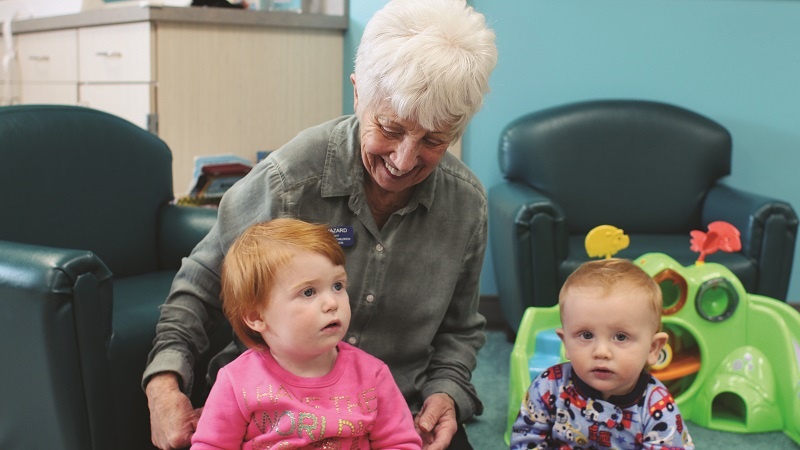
612	273
254	259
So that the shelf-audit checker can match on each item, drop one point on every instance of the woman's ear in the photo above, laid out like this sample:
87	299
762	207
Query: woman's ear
355	92
255	322
659	341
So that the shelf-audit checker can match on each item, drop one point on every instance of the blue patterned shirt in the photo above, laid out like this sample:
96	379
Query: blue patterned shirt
560	411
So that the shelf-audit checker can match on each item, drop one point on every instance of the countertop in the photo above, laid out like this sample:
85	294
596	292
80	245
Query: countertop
189	14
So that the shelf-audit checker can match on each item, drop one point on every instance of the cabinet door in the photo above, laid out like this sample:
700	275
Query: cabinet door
48	57
3	75
115	53
53	93
129	101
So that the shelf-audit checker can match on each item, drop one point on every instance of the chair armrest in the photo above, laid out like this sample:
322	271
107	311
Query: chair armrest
528	236
768	230
54	331
181	228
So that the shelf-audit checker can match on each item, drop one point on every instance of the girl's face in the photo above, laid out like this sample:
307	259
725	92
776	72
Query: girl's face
307	314
609	336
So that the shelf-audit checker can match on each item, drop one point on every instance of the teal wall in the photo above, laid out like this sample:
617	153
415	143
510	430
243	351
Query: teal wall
736	61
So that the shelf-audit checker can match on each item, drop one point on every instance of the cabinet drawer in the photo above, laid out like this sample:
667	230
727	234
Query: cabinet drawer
115	53
49	56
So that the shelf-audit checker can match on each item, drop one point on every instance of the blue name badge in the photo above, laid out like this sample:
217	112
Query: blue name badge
343	234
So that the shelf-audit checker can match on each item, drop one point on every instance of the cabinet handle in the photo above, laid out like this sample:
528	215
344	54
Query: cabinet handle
43	58
110	54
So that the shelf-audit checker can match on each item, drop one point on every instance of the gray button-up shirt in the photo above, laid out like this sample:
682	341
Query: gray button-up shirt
413	285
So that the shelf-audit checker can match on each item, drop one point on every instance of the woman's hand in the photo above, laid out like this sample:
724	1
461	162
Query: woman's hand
172	418
436	422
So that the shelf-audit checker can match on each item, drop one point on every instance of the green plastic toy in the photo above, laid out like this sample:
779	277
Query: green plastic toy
733	359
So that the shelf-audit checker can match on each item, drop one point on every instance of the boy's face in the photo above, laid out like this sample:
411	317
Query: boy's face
609	336
308	311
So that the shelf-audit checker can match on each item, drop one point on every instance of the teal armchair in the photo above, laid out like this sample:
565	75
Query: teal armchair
652	169
89	244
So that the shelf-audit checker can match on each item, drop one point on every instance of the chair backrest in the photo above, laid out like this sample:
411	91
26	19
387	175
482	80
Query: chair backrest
643	166
78	178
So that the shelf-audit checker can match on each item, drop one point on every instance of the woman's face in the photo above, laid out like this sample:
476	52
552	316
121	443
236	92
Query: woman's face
398	153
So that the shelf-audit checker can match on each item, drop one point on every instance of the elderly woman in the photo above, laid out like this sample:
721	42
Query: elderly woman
411	218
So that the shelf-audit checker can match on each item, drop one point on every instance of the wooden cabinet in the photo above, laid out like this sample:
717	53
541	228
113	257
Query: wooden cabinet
206	80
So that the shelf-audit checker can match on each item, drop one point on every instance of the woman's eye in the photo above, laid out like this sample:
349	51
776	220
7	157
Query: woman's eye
433	142
390	131
308	292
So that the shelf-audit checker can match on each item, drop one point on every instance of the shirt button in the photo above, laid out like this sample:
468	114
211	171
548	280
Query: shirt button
370	298
352	340
379	247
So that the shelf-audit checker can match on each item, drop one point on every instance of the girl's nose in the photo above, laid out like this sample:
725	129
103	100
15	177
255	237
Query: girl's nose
329	303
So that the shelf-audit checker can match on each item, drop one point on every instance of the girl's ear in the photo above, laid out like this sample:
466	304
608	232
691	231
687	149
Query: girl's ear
659	341
255	322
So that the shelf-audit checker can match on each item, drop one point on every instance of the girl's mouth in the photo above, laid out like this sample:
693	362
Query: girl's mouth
332	326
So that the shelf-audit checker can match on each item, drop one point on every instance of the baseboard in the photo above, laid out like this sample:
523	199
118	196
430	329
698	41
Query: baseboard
490	308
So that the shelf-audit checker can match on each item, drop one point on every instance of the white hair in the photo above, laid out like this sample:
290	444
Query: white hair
429	59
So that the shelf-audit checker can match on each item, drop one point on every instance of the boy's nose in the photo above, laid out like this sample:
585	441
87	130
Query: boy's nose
601	351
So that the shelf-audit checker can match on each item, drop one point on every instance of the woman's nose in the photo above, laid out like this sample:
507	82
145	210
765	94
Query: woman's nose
406	154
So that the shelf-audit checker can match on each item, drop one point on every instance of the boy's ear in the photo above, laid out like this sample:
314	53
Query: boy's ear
659	341
560	333
255	322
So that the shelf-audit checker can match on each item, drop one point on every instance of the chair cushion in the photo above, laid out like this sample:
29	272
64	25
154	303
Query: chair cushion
647	165
136	302
83	179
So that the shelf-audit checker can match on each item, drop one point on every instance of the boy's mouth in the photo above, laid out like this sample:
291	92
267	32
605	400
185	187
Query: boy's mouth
602	372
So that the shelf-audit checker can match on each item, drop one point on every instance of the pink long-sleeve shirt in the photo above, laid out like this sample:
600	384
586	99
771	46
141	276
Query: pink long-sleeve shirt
256	404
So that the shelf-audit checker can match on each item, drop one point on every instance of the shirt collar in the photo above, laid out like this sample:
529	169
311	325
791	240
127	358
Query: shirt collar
623	401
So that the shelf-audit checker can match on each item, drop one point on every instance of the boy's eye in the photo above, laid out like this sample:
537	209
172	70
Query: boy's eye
586	335
338	286
621	337
308	292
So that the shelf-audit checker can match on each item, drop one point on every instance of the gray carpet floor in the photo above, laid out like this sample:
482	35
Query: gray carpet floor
491	380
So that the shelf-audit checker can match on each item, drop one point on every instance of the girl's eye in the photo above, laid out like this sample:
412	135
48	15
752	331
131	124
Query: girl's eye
338	286
621	337
586	335
308	292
